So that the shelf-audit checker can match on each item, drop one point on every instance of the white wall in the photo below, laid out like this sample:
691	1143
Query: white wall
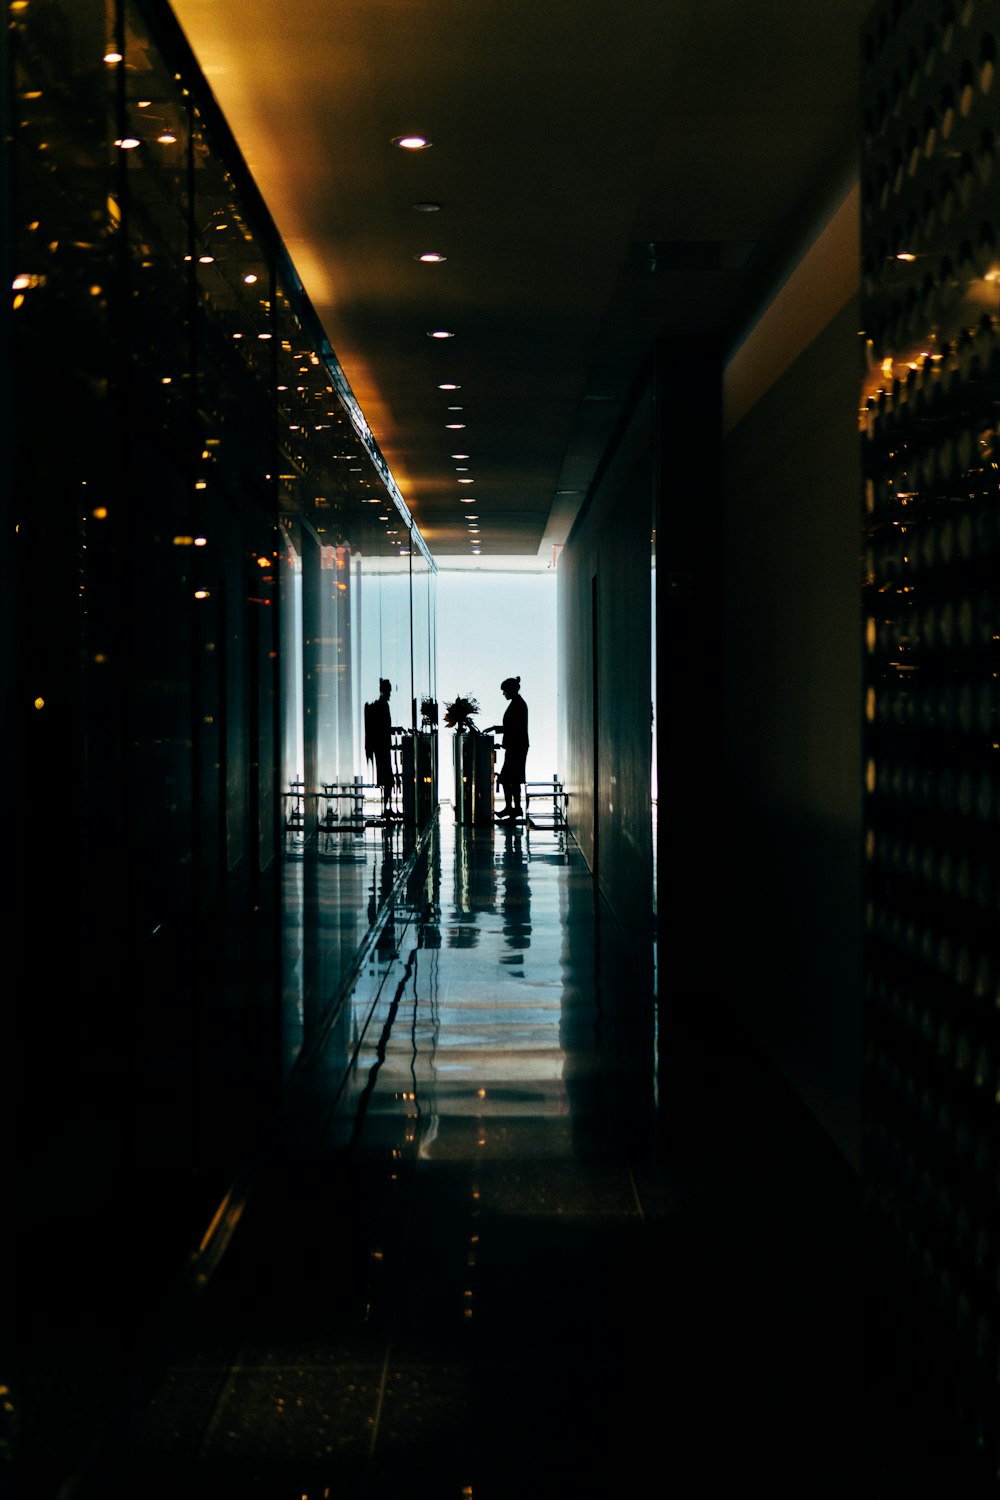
491	625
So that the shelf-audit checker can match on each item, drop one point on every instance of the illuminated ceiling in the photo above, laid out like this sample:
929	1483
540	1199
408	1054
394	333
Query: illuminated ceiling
599	176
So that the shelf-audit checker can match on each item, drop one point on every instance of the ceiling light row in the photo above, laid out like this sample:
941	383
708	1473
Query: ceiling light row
416	142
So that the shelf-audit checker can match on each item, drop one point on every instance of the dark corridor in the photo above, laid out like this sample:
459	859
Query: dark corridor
473	1269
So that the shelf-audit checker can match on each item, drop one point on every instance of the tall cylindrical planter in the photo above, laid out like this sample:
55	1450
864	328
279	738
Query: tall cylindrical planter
474	755
427	774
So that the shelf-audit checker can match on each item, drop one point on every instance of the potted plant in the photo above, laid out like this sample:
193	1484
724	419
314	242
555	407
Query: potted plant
458	714
429	713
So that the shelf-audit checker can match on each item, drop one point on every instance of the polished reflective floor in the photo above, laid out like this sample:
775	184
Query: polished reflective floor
489	1261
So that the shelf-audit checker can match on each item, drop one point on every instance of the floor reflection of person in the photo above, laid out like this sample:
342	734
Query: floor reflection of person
516	902
515	748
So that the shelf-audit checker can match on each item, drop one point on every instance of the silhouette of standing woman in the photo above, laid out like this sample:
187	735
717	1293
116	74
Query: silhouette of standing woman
515	747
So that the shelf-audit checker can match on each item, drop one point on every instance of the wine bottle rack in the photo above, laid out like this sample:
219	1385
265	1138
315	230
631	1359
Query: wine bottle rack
930	436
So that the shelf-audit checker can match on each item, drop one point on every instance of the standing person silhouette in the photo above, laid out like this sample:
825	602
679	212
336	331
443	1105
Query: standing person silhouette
378	743
515	748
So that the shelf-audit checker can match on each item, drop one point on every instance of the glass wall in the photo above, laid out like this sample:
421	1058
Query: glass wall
213	569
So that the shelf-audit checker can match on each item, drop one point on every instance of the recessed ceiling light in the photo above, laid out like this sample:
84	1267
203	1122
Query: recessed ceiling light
460	455
439	333
449	385
454	426
456	408
467	499
431	257
466	481
427	208
411	142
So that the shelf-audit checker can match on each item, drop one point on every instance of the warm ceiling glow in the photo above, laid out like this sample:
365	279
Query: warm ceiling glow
431	257
411	142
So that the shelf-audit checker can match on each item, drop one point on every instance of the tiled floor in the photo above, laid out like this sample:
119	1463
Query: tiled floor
482	1270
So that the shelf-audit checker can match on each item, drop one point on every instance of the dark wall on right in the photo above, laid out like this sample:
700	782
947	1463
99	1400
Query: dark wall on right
605	672
791	725
931	467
